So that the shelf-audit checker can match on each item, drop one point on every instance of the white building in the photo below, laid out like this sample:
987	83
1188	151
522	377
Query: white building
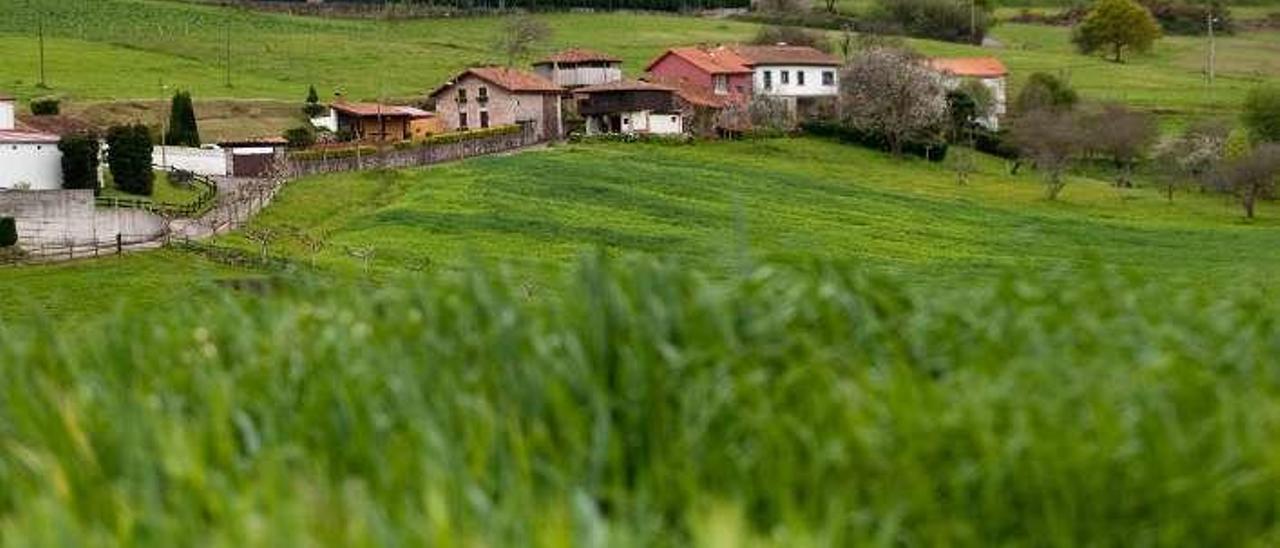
791	71
28	160
987	70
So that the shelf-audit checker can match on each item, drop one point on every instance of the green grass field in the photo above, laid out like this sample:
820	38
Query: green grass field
719	204
635	404
277	56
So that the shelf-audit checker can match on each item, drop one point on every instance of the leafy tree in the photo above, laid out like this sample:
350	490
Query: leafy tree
1192	156
1262	114
313	108
183	130
1121	134
520	35
129	158
1044	91
1113	26
301	137
892	93
938	19
79	161
1051	139
1253	176
963	112
8	232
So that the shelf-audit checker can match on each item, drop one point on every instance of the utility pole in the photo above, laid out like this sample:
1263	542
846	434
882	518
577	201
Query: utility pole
41	27
164	136
1213	46
973	20
228	51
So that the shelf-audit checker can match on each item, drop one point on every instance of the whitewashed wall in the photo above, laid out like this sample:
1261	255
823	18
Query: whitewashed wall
200	161
665	124
7	119
812	81
30	166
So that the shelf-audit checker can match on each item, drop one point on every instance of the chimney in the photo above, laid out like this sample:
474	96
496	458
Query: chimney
7	105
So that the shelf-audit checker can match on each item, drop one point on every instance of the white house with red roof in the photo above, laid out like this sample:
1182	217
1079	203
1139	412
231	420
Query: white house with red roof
779	70
990	71
29	160
577	67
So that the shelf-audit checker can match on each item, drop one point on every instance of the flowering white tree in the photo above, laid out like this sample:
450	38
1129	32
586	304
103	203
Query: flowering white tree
893	93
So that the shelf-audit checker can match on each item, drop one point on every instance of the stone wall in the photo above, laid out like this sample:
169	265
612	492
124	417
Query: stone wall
416	156
48	220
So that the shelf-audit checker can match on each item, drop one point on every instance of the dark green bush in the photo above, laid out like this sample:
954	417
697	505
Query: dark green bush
79	161
300	137
129	158
183	130
934	151
937	19
46	106
8	232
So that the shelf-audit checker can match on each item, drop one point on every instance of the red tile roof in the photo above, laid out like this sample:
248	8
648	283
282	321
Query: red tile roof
253	141
696	95
374	109
6	97
785	55
506	78
578	55
979	67
14	136
624	85
709	60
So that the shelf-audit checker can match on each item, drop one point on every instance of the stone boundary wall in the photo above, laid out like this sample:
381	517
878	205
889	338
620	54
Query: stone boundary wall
417	156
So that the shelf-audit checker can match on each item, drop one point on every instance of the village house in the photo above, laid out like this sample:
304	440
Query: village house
631	107
790	72
28	159
375	122
573	68
987	70
485	97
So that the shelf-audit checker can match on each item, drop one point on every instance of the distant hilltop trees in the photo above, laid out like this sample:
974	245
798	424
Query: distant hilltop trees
412	7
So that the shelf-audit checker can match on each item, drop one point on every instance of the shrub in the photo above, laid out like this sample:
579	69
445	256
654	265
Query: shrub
183	130
301	137
934	151
8	232
1182	18
1044	91
46	106
129	158
79	161
795	36
313	108
937	19
1262	114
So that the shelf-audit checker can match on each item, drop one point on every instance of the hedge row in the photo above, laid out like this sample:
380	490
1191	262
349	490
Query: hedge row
934	151
459	136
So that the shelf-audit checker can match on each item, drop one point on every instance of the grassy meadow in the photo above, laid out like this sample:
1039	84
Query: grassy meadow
717	205
637	403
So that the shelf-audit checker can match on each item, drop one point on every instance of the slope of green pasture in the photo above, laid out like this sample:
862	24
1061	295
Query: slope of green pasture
723	204
1169	80
63	292
115	49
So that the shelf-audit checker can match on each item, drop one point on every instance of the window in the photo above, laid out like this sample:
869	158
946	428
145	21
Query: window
482	94
462	95
722	84
828	78
785	77
768	79
462	120
484	119
799	77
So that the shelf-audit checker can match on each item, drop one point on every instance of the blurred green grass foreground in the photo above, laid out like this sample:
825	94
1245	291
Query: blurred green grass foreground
642	404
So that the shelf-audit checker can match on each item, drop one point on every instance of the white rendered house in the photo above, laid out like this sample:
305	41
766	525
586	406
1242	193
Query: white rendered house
987	70
29	160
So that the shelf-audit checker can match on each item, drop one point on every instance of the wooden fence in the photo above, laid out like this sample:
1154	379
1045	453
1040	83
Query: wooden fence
204	200
427	154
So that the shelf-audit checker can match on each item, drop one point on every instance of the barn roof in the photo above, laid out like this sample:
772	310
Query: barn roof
978	67
578	55
375	109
